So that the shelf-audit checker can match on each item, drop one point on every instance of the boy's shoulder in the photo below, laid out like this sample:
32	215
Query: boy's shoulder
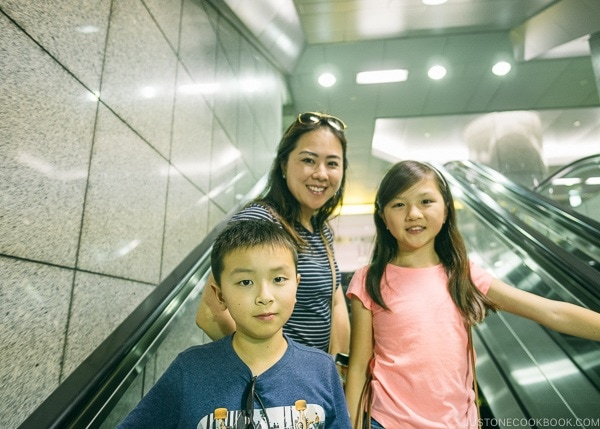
211	349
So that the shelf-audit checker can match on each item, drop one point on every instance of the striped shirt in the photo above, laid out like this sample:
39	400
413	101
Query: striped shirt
310	323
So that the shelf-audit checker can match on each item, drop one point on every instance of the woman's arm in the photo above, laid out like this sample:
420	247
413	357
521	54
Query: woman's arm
211	317
340	324
557	315
361	352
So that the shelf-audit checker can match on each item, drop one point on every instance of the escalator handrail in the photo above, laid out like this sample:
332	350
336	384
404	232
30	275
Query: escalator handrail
574	222
83	395
560	264
84	392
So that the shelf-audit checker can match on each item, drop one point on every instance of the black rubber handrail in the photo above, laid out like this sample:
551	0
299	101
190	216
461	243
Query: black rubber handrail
81	400
569	270
76	401
584	227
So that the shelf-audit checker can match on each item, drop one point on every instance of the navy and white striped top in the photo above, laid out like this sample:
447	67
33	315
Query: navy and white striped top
310	323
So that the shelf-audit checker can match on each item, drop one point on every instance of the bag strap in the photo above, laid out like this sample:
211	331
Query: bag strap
364	406
471	352
329	256
333	281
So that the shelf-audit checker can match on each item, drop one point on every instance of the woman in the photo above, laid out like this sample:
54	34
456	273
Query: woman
305	186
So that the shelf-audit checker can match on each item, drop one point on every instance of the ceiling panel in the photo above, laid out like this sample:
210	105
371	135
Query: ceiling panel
468	36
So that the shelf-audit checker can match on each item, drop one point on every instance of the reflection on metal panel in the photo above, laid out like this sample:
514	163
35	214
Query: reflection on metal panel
525	371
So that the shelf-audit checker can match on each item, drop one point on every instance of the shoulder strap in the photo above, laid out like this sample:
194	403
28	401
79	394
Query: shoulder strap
333	279
471	352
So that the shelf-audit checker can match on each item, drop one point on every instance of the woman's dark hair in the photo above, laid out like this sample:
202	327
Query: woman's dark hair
449	244
277	194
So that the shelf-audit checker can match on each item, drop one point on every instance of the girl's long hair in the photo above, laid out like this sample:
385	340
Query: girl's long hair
277	194
449	244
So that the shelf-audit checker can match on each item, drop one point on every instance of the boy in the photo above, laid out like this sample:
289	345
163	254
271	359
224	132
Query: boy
256	377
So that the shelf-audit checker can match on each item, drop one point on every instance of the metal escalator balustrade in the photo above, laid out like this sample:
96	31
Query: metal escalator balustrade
526	372
112	380
576	233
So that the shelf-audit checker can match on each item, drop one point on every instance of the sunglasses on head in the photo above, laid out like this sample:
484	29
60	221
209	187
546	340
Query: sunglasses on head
314	118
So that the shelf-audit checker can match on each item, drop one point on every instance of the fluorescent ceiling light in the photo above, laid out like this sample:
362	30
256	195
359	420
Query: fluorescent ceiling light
437	72
433	2
501	68
327	80
592	181
566	181
381	76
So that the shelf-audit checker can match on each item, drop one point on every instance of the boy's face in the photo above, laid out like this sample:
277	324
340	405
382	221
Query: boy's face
258	287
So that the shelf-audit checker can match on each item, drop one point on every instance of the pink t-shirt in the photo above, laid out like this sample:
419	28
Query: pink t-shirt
421	371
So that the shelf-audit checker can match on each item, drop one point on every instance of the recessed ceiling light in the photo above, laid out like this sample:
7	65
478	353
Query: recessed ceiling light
433	2
501	68
327	80
381	76
437	72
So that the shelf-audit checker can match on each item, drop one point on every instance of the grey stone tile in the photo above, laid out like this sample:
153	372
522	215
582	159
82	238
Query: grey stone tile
186	221
168	15
215	215
100	304
72	31
224	157
197	49
192	132
47	120
34	303
124	214
139	74
227	96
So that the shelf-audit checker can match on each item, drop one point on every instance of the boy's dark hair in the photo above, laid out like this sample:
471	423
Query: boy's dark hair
247	234
448	244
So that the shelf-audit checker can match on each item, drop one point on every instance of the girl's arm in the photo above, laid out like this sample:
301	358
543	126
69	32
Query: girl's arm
361	351
557	315
340	324
211	316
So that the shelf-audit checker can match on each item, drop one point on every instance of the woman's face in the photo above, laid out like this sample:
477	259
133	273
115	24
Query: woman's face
315	169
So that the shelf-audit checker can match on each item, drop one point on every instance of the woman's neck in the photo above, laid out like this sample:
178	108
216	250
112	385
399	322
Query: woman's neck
305	219
259	355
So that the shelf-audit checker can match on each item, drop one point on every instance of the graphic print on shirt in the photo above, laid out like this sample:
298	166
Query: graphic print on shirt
298	416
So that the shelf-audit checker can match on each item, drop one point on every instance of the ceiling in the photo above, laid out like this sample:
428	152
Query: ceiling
546	41
425	119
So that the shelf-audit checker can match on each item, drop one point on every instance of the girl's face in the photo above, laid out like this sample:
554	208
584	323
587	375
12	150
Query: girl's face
314	169
415	217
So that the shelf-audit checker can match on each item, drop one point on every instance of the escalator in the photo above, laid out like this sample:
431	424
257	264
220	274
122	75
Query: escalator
530	377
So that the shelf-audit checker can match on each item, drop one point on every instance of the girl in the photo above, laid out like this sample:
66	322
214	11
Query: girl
412	306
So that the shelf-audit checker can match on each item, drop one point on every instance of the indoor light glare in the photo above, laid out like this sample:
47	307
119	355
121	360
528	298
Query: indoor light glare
327	80
433	2
501	68
381	76
436	72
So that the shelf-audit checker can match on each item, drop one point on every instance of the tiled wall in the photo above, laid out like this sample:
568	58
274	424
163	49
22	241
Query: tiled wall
127	130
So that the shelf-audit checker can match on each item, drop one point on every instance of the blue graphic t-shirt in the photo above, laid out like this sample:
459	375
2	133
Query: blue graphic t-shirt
207	386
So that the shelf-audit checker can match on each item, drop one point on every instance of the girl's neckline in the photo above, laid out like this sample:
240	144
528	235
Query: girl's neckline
439	264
